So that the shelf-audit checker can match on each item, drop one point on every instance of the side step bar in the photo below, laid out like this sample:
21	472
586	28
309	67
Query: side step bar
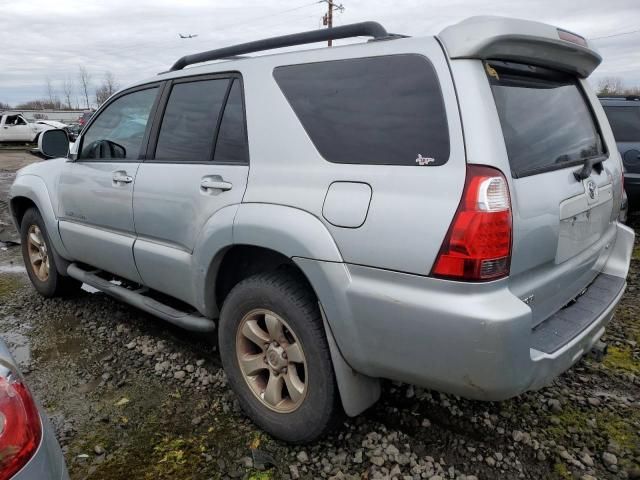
188	321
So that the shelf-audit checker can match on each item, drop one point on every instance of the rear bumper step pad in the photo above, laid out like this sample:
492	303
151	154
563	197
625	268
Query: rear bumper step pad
568	322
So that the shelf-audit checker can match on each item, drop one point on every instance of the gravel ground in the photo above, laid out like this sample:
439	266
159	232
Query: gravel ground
131	397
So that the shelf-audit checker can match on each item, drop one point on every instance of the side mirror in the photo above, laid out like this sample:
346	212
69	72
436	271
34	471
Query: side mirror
53	143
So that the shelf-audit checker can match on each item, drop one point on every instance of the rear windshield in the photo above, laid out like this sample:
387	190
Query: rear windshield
625	123
546	121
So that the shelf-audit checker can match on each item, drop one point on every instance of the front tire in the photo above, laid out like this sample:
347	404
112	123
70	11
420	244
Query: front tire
37	254
276	357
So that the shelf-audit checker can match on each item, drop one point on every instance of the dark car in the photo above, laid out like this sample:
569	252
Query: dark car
624	116
73	130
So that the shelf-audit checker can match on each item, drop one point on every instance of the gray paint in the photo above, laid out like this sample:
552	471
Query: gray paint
100	233
347	204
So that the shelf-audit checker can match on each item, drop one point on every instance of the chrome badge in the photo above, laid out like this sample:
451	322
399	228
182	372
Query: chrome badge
592	189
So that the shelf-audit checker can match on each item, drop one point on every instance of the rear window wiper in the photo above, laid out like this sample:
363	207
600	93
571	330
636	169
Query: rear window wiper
589	165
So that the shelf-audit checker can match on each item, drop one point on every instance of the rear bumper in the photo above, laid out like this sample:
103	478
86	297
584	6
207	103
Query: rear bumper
472	340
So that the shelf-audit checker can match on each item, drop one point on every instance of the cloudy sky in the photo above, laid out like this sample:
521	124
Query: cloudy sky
135	39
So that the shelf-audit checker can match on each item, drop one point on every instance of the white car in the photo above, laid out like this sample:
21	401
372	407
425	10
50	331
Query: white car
15	128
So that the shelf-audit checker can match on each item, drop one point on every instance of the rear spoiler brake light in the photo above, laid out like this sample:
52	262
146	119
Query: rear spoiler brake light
572	37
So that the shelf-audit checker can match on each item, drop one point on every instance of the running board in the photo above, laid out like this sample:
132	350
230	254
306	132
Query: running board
188	321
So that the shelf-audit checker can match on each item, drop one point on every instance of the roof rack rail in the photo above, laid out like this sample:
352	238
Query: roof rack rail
368	29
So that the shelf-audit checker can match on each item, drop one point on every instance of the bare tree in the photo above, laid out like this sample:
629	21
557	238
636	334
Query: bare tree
67	88
108	87
5	106
85	83
632	91
51	93
610	86
40	104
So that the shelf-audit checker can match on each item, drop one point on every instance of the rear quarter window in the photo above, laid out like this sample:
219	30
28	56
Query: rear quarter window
384	110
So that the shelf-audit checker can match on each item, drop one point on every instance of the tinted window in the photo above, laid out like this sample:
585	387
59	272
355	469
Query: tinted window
545	119
380	110
231	145
625	123
119	129
190	120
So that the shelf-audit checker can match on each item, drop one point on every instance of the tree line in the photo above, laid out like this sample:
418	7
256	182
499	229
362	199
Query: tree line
82	93
615	86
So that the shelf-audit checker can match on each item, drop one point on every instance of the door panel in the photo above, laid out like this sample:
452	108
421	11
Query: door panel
96	220
171	205
96	191
17	133
197	165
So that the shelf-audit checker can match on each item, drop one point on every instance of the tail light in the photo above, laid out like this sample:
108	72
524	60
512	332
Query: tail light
478	244
20	427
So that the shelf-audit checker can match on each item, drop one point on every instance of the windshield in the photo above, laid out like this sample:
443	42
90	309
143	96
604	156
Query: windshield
545	118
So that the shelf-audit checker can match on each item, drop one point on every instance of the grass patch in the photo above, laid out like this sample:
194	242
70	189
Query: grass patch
8	285
561	470
623	430
621	359
267	475
569	418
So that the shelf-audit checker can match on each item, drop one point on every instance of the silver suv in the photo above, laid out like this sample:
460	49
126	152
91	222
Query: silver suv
437	210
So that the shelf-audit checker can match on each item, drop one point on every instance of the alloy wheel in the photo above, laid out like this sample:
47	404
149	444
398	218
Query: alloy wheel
38	254
272	360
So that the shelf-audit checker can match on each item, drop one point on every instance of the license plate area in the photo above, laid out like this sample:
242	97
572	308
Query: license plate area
582	222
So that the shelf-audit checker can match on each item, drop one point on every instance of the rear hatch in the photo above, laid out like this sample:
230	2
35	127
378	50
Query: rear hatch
562	186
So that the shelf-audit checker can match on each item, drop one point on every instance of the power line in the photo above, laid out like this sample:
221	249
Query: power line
615	35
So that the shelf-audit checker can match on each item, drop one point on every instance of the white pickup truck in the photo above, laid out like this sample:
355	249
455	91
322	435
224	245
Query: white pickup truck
15	128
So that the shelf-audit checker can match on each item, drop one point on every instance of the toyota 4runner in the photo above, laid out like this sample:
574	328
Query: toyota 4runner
438	210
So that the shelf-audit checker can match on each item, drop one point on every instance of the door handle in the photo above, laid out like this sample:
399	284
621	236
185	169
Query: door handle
215	182
121	177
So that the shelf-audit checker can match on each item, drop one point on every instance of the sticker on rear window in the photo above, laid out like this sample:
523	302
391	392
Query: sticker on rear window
423	161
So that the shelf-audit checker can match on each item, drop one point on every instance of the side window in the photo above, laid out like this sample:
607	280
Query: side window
15	120
118	132
384	110
231	145
190	120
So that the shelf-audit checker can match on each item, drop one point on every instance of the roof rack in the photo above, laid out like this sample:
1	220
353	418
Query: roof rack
368	29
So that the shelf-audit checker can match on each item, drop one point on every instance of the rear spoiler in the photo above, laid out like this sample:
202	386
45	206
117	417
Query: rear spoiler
523	41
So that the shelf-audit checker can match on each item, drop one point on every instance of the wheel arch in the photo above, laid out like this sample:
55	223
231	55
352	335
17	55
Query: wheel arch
31	191
267	236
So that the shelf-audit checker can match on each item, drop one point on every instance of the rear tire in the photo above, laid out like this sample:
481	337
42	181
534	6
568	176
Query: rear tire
38	257
276	357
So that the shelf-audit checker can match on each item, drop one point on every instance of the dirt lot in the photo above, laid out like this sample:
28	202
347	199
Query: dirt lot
131	397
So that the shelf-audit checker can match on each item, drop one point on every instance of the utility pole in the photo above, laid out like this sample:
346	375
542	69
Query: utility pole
328	17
